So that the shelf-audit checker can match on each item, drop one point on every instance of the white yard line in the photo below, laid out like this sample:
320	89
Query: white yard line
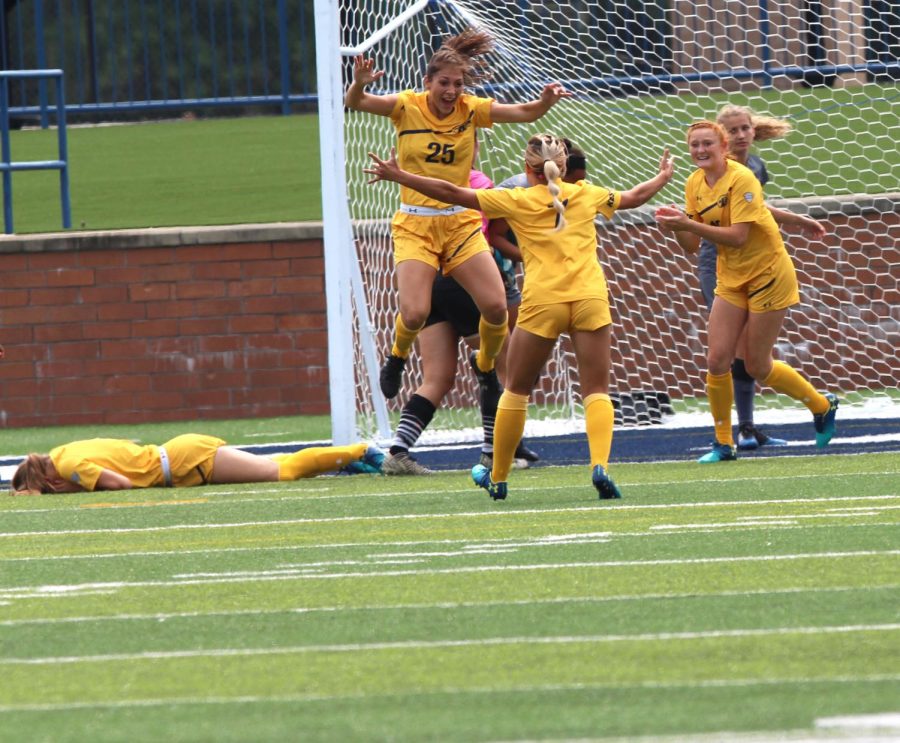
448	515
47	591
440	644
444	691
741	523
442	606
215	497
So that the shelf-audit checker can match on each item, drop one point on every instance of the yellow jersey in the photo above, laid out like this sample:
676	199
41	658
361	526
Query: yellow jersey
735	198
437	148
559	266
82	462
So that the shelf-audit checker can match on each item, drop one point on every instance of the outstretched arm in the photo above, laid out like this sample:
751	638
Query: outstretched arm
645	191
358	99
810	227
434	188
525	113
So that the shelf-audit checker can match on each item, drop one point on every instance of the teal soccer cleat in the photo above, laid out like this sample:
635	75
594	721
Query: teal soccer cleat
719	453
604	484
481	475
824	422
370	464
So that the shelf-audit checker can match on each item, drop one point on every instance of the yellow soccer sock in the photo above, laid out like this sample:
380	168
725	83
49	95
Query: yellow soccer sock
403	338
492	337
317	460
508	429
598	420
787	380
720	391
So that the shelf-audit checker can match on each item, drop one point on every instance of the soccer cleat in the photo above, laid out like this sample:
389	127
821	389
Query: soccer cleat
750	437
604	484
487	381
389	377
482	478
373	457
719	453
824	422
369	464
523	452
402	463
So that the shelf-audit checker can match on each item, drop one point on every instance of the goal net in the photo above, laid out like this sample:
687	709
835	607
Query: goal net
640	72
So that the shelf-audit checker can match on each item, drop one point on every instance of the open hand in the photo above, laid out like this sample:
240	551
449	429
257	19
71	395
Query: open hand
667	165
384	170
552	92
363	74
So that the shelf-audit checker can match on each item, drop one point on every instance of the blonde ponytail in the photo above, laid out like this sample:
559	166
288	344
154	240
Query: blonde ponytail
546	156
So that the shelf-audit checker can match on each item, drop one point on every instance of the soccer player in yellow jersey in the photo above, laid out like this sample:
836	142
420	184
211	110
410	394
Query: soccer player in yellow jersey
755	283
187	460
436	138
564	291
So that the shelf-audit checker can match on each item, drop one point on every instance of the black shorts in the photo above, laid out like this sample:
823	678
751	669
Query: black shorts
451	303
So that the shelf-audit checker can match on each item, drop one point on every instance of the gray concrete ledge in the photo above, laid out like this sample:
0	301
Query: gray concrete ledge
160	237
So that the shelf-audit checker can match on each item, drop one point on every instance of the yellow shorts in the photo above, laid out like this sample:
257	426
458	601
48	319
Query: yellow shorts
191	457
775	288
442	241
551	320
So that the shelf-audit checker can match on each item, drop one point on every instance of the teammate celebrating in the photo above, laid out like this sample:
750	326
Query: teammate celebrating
756	283
743	127
436	138
564	291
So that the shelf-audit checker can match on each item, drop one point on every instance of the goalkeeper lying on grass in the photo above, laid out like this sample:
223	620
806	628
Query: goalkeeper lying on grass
185	461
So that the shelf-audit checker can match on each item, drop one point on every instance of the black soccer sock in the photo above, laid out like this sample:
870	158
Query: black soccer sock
744	392
416	415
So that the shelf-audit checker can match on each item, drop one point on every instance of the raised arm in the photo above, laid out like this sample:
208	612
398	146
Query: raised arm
525	113
434	188
358	99
645	191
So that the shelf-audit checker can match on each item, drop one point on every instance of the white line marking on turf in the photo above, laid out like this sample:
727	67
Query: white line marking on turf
735	527
224	497
164	616
440	644
443	691
31	592
883	721
603	509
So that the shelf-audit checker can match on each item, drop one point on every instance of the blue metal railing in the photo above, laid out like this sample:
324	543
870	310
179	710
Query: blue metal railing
136	56
7	166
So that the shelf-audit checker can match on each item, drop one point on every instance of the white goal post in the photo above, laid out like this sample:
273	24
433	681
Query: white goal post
640	71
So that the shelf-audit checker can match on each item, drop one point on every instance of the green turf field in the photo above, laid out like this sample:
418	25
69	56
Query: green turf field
758	596
266	169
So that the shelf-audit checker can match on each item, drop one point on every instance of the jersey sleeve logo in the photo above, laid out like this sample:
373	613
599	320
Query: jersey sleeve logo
748	197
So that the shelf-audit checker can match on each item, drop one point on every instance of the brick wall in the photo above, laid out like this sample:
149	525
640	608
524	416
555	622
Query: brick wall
165	324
